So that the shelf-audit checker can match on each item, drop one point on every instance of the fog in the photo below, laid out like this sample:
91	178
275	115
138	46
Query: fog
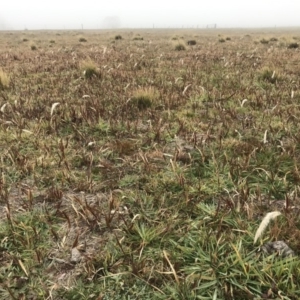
88	14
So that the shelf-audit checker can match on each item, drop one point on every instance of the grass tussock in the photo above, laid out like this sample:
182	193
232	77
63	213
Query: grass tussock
138	38
269	75
144	98
264	41
191	42
293	46
89	69
180	46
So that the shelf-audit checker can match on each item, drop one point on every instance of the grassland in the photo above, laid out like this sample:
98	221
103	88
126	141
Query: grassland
136	166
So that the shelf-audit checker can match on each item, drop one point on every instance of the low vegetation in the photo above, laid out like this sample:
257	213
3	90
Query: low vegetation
264	41
179	46
4	80
89	68
130	170
138	38
293	46
144	98
191	42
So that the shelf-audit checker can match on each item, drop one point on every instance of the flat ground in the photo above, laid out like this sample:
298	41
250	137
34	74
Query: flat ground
137	166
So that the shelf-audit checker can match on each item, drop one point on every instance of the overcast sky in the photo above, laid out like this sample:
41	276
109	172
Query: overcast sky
67	14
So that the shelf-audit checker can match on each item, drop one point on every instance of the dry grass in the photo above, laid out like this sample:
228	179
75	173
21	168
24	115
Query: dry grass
89	68
4	80
144	98
150	179
179	45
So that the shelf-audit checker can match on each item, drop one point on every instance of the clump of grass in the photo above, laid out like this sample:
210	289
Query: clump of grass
138	38
228	39
82	40
118	37
33	47
4	80
25	40
268	75
52	42
143	98
273	39
180	46
264	41
191	42
293	46
221	40
89	69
